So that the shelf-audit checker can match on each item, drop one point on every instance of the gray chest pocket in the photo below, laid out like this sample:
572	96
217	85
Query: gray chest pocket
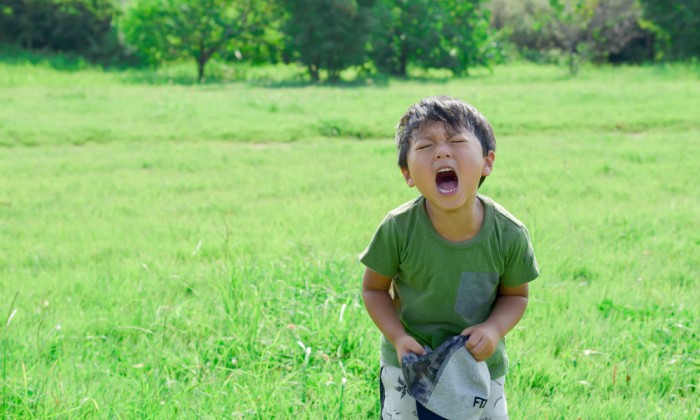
475	297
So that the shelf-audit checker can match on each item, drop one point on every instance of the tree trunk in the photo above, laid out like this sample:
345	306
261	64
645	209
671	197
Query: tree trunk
573	58
403	60
334	75
313	72
573	62
202	59
201	62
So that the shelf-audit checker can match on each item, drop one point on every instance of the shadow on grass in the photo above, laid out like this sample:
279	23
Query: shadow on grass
57	61
149	76
355	79
218	74
183	75
301	83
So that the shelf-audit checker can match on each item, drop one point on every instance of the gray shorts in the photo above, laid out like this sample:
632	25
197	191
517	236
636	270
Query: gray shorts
398	404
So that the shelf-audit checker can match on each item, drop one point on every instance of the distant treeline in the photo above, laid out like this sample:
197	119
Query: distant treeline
383	36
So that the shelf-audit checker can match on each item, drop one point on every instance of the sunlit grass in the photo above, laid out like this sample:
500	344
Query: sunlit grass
184	251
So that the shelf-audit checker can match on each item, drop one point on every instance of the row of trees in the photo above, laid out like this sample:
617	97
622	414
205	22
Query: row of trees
601	30
327	36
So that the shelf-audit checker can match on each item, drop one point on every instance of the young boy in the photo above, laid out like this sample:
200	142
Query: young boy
450	262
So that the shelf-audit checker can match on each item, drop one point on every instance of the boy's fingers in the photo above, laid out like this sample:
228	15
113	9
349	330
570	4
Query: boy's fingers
476	352
477	349
412	346
417	348
473	342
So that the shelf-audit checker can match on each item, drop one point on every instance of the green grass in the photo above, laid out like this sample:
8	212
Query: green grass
190	251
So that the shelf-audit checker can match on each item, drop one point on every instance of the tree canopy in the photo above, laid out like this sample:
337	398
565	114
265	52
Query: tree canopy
442	34
328	36
74	26
678	23
163	30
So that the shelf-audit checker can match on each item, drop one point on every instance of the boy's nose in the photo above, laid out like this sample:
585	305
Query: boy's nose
442	151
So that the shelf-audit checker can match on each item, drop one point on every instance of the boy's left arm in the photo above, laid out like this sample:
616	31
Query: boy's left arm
508	308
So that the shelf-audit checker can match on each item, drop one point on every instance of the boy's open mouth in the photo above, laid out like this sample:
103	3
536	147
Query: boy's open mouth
446	180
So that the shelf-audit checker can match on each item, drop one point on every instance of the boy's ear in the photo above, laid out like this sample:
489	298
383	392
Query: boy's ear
488	163
407	177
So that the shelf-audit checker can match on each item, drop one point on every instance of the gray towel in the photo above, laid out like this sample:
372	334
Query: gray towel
448	381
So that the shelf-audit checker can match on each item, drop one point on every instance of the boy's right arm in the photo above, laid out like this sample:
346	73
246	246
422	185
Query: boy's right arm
375	294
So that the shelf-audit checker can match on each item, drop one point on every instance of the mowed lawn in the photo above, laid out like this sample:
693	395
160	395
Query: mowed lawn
172	250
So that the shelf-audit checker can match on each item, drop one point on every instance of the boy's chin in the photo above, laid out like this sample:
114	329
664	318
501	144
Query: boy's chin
452	202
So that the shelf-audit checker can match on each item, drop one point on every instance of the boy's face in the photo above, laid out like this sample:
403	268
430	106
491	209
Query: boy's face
446	166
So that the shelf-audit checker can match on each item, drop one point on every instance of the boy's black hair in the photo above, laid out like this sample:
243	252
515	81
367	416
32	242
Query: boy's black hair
453	112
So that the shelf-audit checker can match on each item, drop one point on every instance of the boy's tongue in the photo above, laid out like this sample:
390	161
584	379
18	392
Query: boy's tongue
446	181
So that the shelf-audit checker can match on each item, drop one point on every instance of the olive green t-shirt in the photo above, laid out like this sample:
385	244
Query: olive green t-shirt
442	287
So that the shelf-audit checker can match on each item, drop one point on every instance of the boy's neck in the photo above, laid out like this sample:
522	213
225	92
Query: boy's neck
458	225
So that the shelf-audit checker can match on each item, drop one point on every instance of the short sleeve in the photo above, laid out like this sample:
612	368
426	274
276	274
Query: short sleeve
382	253
520	265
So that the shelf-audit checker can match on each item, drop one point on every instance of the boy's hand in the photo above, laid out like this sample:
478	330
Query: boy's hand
483	340
507	311
407	344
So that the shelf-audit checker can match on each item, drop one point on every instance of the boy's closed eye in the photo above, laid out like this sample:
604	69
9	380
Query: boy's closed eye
425	144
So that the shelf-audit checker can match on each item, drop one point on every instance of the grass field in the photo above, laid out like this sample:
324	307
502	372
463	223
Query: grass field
171	250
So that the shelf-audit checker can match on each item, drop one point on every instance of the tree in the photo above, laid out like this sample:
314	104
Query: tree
676	22
522	23
465	37
327	34
614	26
601	30
406	33
164	30
569	23
448	34
602	27
75	26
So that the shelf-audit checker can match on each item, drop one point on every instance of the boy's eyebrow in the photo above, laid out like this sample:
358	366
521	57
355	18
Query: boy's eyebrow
421	137
461	134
